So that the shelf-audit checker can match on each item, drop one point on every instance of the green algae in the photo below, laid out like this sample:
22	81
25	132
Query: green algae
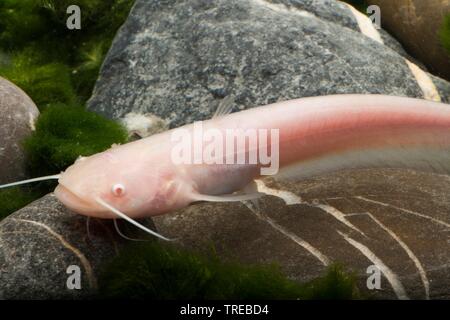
13	199
58	68
444	34
63	133
159	271
49	61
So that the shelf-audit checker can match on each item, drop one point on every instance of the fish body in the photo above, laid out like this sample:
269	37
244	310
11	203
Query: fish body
316	135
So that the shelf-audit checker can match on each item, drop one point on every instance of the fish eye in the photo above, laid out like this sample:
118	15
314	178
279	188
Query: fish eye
118	189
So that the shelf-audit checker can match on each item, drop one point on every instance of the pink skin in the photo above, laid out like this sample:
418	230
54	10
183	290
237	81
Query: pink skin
317	135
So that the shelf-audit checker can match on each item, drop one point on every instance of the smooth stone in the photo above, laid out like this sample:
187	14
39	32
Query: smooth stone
18	114
178	59
382	210
416	24
40	242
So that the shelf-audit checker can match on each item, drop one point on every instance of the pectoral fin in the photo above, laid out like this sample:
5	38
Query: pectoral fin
228	197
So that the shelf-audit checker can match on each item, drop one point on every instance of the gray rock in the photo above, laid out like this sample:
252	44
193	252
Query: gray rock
443	88
178	59
337	12
41	241
17	116
400	216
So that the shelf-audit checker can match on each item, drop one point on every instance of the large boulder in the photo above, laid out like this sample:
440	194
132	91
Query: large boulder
416	23
44	247
17	116
179	59
397	220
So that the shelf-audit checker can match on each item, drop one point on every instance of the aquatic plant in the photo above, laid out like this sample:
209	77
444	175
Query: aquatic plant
57	68
445	33
13	199
88	66
65	132
37	28
44	83
336	284
160	271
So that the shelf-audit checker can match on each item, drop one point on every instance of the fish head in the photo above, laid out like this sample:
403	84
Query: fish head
136	188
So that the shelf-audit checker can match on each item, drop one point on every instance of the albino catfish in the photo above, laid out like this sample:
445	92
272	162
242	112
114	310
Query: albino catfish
315	136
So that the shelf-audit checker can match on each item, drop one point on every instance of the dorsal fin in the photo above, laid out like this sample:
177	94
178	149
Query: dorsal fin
225	107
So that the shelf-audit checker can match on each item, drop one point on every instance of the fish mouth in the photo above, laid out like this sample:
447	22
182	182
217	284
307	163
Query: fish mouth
75	202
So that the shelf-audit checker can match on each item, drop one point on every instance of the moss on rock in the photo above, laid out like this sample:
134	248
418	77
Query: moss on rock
160	271
57	68
65	132
445	34
44	83
49	59
13	199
